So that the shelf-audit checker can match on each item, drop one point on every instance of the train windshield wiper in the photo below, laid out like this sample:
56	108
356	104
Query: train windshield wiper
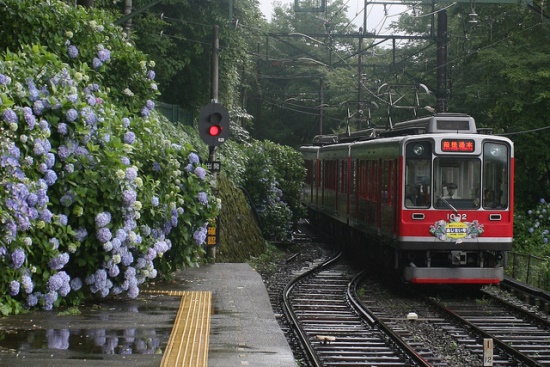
448	204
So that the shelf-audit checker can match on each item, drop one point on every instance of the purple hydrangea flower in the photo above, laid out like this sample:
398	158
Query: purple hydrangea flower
203	198
194	158
200	235
63	220
129	197
156	167
131	174
145	112
58	262
129	137
104	55
3	79
150	104
96	63
72	51
14	287
104	235
151	74
200	172
46	215
50	177
102	219
155	201
38	107
18	258
80	234
76	284
126	122
27	284
50	160
9	116
71	115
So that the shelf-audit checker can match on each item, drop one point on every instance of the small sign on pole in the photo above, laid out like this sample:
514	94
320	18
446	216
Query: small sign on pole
212	233
487	352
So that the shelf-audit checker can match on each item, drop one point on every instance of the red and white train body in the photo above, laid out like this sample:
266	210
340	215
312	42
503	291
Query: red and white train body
431	198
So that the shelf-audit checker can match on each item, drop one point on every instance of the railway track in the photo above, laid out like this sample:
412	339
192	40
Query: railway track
518	335
319	305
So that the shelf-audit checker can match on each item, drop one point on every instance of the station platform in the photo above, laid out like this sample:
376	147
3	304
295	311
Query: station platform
243	330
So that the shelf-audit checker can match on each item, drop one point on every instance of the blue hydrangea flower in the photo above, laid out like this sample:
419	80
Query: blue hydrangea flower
50	177
151	75
155	201
18	258
194	158
131	174
102	219
129	197
104	55
200	172
28	285
10	116
126	122
38	107
203	198
80	234
72	51
76	284
200	235
129	137
58	262
104	234
3	79
14	287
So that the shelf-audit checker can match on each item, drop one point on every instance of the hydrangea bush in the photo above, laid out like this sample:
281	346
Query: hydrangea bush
532	230
273	178
97	196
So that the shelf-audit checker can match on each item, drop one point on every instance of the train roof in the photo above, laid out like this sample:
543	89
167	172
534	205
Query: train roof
441	123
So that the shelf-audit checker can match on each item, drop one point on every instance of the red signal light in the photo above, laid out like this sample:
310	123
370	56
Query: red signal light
214	130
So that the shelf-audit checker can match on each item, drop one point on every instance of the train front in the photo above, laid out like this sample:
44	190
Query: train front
456	218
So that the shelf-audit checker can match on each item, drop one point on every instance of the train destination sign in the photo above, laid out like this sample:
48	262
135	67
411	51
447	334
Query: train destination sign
458	145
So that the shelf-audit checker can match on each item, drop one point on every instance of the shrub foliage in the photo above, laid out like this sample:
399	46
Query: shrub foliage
98	193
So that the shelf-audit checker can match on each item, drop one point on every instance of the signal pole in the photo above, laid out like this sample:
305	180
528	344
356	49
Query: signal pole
211	250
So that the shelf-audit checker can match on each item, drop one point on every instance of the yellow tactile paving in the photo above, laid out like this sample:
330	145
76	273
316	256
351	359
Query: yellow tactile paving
189	339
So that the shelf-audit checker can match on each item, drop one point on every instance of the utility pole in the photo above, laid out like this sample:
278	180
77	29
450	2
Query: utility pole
322	100
441	104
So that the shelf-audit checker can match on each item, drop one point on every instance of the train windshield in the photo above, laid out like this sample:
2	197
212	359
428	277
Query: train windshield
457	183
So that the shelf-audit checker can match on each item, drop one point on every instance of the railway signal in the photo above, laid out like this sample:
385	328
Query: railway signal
214	124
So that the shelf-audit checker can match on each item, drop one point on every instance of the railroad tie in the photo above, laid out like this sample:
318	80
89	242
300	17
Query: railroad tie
190	336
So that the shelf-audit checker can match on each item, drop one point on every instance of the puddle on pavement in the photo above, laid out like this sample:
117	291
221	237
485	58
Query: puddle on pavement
99	329
91	341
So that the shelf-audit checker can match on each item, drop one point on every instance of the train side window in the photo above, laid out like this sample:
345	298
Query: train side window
495	176
418	174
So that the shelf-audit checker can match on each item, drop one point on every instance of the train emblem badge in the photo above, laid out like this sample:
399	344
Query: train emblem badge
456	230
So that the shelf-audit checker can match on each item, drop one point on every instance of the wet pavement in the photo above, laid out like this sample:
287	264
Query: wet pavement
121	332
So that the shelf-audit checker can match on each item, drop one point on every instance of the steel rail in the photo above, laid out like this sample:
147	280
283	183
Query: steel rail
375	321
287	307
500	344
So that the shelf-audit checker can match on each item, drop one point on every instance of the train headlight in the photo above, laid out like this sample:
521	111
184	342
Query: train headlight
418	149
495	151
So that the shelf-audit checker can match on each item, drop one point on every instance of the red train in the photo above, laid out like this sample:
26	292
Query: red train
431	198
